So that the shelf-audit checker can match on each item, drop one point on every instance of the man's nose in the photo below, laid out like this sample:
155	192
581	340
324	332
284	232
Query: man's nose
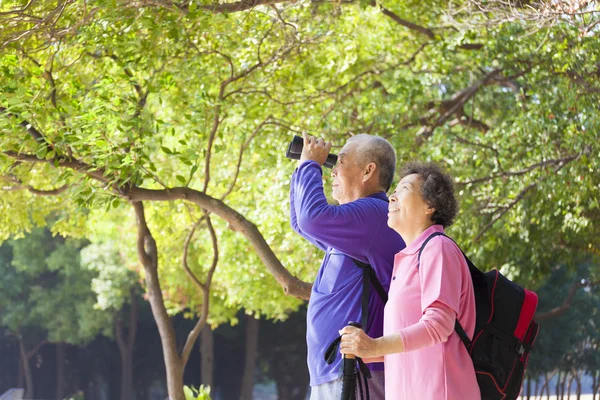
334	171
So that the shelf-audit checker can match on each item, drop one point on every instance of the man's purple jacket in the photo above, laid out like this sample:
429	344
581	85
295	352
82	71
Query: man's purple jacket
356	230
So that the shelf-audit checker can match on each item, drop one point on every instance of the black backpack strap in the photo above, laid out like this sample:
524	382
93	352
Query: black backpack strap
457	326
462	334
369	278
434	234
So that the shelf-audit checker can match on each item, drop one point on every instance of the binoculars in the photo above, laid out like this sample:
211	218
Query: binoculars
295	150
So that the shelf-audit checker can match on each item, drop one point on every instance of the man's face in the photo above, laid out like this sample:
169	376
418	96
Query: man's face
347	175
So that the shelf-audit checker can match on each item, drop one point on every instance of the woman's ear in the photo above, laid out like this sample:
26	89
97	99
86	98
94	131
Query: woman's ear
430	211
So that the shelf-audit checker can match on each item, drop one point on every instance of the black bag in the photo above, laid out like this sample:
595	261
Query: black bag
504	332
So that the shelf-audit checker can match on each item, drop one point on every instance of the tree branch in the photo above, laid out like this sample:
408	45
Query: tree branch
291	285
18	185
33	132
148	256
505	209
36	348
407	24
63	162
242	149
186	246
519	197
560	310
454	105
522	171
237	6
193	335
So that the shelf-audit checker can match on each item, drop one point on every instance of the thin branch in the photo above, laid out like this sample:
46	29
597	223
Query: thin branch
407	24
560	310
33	132
193	335
237	6
36	348
452	106
51	192
18	10
17	184
89	170
505	209
522	171
519	197
186	246
242	149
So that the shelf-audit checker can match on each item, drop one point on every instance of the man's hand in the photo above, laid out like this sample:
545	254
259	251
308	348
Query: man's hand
315	149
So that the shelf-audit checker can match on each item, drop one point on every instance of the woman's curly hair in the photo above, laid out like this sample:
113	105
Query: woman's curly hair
437	189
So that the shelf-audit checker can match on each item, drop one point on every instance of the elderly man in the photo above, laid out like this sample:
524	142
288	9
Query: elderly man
356	229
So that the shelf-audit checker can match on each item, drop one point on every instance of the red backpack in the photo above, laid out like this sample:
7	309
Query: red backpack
504	331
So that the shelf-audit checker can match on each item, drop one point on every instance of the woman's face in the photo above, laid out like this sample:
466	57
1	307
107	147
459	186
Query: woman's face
407	209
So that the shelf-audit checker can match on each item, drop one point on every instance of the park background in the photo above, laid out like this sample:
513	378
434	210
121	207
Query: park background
144	203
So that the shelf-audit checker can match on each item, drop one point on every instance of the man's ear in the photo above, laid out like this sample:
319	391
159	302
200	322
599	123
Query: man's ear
369	171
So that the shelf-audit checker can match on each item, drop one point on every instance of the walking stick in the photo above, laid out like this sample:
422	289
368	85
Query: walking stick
349	373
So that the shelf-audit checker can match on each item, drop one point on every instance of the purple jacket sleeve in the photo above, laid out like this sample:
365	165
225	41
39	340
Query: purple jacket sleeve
342	227
294	218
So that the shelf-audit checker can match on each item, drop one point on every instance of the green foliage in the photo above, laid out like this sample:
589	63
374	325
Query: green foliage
572	340
139	93
202	393
46	289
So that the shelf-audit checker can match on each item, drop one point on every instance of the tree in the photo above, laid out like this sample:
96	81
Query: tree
116	289
181	114
567	342
47	299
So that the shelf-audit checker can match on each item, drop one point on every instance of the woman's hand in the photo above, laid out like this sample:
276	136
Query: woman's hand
355	341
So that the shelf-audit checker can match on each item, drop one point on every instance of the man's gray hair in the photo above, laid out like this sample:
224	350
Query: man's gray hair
378	150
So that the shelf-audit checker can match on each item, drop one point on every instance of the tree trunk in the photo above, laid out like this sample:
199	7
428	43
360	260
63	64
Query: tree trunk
528	388
126	345
546	385
21	375
60	371
250	358
148	255
564	384
537	386
207	349
578	381
29	389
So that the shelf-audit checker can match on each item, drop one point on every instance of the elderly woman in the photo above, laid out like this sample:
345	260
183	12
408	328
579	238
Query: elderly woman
424	358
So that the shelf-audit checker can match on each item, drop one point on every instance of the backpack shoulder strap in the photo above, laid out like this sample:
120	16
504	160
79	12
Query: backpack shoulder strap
369	278
457	326
434	234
